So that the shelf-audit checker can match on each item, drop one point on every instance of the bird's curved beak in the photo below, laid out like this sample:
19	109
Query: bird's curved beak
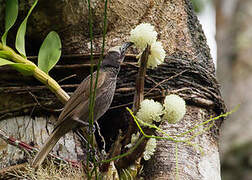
125	46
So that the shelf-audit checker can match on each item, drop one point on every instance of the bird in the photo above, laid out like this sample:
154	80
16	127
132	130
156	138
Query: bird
76	111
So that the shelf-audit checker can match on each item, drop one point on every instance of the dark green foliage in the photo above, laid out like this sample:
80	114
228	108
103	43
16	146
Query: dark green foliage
50	50
20	38
11	13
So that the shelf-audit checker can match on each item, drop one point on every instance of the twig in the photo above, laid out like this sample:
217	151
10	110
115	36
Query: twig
101	136
155	82
27	148
125	89
168	79
119	106
114	151
15	109
66	78
42	106
11	89
4	173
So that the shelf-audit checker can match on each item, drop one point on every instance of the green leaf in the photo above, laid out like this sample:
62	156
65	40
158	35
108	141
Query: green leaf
20	38
5	62
25	69
49	52
11	13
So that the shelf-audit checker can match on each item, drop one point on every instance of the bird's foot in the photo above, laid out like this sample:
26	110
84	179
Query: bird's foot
92	153
91	130
84	123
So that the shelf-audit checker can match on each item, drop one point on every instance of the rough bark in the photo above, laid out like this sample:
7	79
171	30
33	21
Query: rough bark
188	60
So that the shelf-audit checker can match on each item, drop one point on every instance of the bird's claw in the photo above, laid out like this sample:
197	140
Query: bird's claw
91	129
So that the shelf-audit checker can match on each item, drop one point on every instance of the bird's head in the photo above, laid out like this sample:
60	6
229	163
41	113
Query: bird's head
116	55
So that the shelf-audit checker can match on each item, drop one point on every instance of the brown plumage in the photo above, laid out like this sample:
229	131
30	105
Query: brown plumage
76	111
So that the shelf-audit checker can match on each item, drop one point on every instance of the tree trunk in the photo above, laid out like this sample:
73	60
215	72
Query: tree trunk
188	65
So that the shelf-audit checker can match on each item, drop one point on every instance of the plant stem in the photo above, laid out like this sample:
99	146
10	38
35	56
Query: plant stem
97	75
38	74
91	96
139	94
131	150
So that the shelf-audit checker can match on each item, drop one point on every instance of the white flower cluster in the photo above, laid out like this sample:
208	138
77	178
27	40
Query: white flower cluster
157	55
149	148
134	138
150	111
144	34
174	108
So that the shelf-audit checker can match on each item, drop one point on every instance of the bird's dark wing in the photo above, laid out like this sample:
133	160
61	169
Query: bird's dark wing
80	96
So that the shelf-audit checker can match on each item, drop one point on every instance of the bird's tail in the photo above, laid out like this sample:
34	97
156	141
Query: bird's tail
47	147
